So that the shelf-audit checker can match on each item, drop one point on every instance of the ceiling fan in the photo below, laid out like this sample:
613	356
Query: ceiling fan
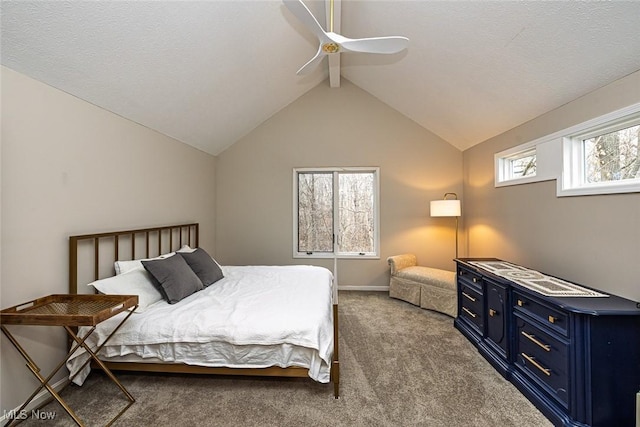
332	43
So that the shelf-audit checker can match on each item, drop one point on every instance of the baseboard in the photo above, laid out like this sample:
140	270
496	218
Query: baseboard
31	410
363	288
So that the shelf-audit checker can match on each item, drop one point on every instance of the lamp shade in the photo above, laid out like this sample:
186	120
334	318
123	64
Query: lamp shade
445	208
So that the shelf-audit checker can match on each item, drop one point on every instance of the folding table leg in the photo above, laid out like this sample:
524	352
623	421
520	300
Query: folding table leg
94	354
81	342
44	382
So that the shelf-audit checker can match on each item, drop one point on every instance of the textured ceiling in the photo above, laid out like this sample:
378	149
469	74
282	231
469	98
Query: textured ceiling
207	73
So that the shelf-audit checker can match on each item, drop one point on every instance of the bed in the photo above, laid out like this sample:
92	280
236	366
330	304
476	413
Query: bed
279	321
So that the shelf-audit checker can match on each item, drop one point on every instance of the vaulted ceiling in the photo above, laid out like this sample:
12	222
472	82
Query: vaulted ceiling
208	72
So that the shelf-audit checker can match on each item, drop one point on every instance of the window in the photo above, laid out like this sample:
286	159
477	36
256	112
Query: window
599	156
336	205
518	165
612	156
523	165
603	159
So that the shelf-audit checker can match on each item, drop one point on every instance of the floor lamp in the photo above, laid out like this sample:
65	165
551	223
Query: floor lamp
449	208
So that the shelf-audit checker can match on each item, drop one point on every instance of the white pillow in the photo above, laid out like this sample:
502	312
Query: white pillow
135	282
126	266
188	249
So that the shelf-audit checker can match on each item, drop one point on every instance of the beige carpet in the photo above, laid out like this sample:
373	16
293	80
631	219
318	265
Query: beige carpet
400	366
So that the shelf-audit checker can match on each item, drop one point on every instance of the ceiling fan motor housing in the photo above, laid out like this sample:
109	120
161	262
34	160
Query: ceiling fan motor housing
331	47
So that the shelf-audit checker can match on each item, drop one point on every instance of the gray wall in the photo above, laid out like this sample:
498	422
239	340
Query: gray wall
593	240
336	127
69	167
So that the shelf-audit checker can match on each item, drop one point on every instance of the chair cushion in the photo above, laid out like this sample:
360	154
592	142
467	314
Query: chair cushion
427	275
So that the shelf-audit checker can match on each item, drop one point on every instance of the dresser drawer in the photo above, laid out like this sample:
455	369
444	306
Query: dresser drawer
471	305
555	319
544	358
469	276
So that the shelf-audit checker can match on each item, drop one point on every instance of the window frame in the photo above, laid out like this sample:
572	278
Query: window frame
336	206
504	165
573	173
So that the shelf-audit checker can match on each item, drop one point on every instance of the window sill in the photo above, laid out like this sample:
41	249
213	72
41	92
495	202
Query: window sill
518	181
598	189
331	256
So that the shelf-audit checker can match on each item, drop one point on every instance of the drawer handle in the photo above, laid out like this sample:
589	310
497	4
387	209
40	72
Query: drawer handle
520	303
544	370
492	312
469	296
469	312
552	319
475	280
533	338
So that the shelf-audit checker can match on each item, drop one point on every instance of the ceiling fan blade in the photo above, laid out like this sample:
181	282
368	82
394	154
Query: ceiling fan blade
313	63
302	12
392	44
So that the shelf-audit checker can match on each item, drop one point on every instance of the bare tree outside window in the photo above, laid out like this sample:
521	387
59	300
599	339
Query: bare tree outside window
350	215
315	212
356	212
524	166
612	156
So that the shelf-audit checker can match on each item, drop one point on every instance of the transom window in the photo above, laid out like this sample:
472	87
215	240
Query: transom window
336	212
521	165
612	156
599	156
603	159
516	165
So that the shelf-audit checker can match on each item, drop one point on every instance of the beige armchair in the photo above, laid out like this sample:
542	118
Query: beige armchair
429	288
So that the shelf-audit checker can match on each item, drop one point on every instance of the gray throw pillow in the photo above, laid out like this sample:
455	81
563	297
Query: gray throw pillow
203	265
173	277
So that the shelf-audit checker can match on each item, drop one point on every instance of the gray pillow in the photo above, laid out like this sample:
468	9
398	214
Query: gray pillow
173	277
203	265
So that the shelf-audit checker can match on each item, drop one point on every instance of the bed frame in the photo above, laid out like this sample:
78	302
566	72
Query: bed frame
106	248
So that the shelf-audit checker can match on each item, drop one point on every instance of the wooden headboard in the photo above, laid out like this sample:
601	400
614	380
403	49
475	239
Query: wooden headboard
106	248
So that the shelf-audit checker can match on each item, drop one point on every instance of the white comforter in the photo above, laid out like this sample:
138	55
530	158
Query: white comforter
256	316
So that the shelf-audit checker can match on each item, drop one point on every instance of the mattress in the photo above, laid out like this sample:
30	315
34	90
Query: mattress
255	317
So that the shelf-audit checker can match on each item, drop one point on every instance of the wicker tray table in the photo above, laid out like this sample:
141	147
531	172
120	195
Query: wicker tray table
68	311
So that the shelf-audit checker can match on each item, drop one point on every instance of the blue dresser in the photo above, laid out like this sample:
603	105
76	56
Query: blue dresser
576	358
